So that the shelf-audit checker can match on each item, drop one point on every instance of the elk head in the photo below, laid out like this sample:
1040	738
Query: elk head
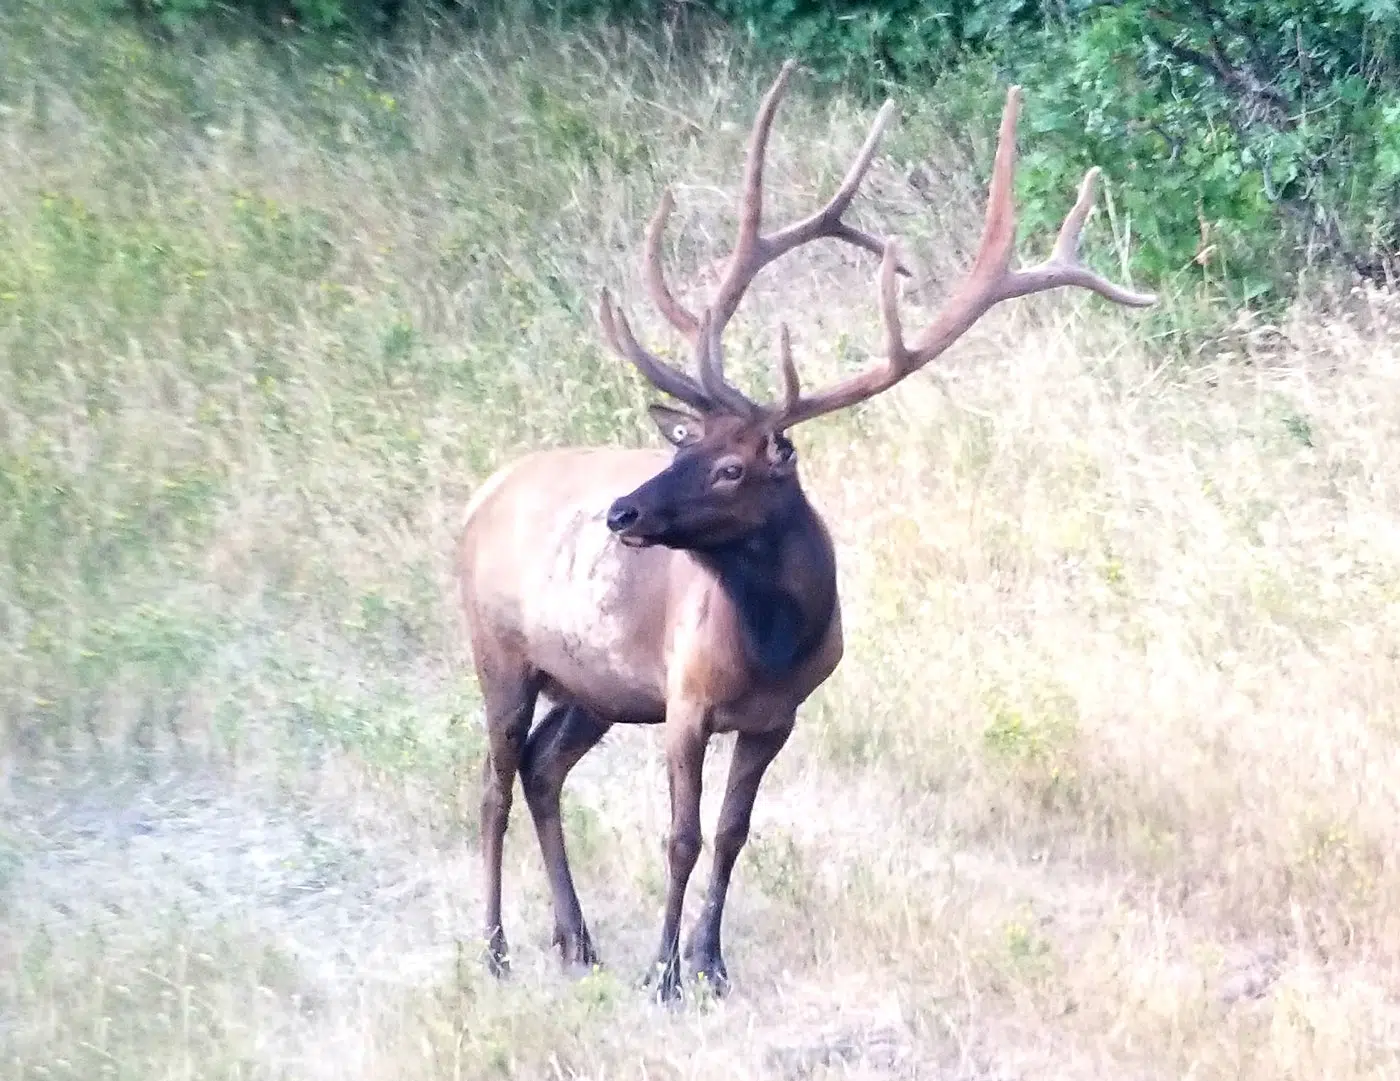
735	469
729	477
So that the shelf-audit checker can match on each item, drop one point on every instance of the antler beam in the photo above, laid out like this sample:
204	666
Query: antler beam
618	333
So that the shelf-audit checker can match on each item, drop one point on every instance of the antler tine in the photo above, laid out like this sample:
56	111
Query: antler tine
792	386
754	251
661	293
1064	268
661	375
990	281
827	222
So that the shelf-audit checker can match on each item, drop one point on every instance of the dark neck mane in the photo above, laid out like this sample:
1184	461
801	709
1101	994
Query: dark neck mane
781	580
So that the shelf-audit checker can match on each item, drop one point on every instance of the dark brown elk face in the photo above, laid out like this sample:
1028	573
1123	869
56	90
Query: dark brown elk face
729	477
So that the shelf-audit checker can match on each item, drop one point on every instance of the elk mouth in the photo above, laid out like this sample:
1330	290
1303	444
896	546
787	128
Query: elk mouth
643	534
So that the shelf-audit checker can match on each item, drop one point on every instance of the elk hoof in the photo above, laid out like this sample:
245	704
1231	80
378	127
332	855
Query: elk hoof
711	975
664	980
576	950
497	955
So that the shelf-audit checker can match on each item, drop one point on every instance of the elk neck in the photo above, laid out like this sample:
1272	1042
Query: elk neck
781	581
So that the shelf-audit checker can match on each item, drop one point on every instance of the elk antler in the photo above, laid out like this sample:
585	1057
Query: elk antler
990	281
752	252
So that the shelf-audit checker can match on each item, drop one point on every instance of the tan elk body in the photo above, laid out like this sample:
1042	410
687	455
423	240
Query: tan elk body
693	588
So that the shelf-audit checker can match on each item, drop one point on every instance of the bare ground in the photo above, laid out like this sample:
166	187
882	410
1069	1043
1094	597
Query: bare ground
861	944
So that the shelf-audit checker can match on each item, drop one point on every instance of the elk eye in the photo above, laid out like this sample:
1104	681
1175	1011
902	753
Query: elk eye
732	471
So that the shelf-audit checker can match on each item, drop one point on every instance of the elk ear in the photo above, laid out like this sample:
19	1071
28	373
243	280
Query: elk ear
677	427
782	455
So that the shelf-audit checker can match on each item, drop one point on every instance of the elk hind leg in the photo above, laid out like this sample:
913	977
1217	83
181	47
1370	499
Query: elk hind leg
558	742
510	704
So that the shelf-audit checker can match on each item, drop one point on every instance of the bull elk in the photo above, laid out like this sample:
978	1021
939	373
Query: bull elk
694	588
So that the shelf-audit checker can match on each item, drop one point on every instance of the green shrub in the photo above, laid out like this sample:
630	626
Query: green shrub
1251	137
1247	139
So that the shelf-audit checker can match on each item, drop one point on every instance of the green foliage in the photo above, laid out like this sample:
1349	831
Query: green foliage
1240	141
1248	138
897	42
314	15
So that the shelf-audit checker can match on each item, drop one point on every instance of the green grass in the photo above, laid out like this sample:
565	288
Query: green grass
1104	786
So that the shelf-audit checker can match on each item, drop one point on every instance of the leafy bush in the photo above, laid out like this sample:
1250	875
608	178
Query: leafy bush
1248	138
1257	136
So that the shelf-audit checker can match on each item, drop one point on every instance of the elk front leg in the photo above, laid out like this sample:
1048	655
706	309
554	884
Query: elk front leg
566	734
685	760
752	756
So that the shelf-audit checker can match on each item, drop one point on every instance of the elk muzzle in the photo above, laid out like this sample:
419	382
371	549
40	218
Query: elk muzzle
623	518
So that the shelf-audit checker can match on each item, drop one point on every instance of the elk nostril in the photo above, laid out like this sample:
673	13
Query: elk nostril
621	515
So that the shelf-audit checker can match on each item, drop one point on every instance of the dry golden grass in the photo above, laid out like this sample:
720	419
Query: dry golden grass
1106	785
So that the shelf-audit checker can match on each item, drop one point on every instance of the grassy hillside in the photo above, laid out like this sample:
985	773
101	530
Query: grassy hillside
1108	783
